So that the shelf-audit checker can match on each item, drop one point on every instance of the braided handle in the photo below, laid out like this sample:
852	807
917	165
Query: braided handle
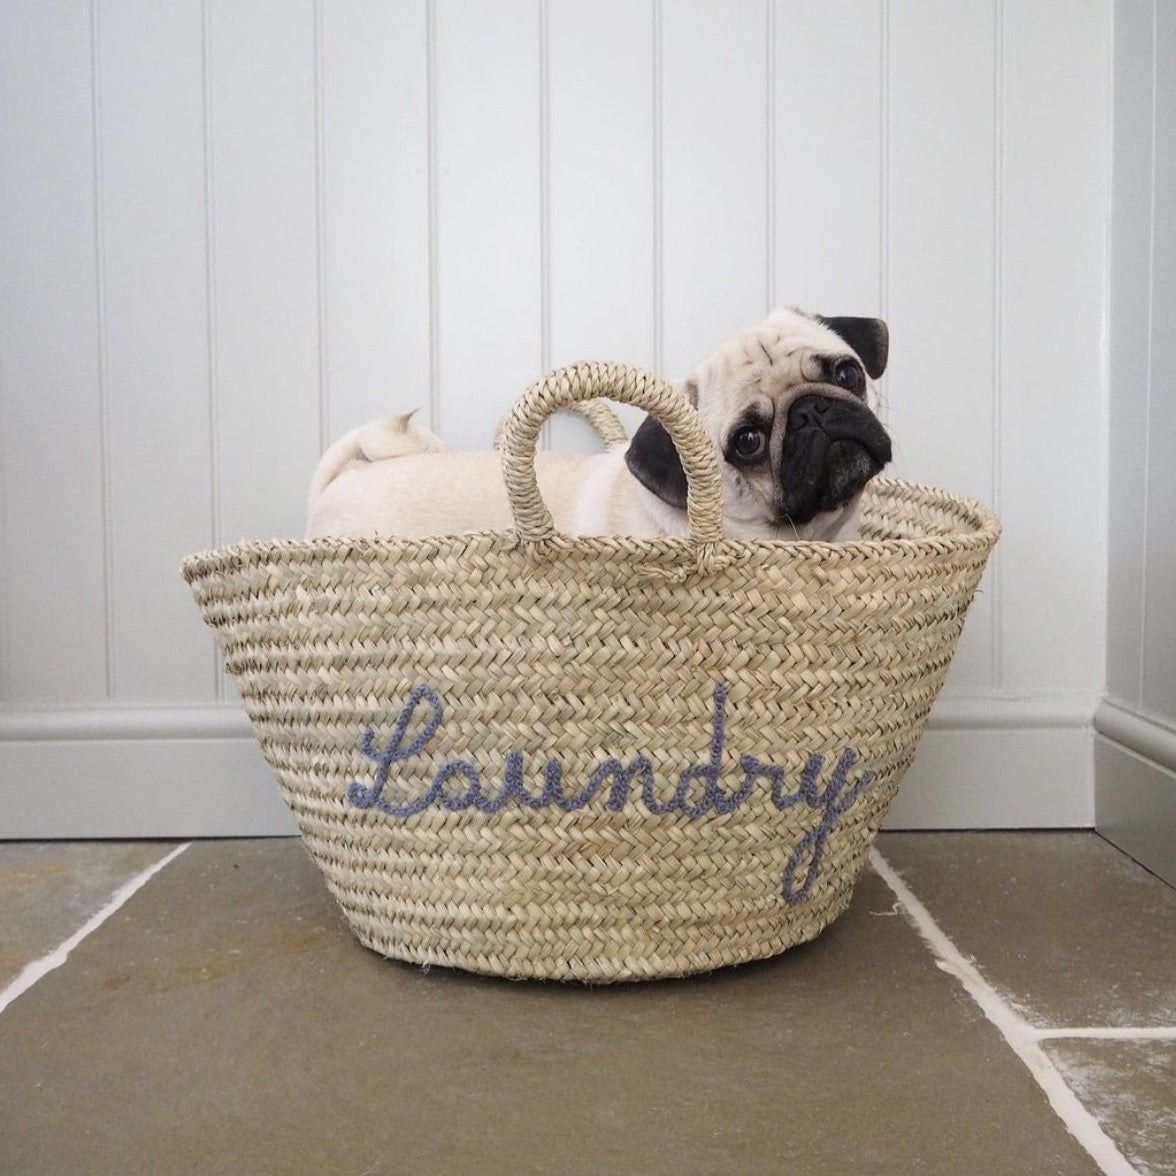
602	418
628	385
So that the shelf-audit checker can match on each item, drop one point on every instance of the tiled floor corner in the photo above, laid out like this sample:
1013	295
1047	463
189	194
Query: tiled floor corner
50	890
224	1020
1071	931
1081	942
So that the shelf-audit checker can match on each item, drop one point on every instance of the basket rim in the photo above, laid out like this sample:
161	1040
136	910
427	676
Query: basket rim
984	531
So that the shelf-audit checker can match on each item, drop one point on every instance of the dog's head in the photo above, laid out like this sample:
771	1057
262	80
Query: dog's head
787	405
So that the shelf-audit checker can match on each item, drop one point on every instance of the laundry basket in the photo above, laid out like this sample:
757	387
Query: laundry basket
601	759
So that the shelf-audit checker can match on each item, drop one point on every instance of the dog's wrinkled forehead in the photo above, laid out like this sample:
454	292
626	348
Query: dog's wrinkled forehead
775	350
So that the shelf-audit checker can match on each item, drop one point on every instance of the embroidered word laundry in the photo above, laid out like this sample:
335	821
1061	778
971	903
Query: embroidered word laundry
457	784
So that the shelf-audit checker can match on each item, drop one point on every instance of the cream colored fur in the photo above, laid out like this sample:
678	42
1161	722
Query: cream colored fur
391	477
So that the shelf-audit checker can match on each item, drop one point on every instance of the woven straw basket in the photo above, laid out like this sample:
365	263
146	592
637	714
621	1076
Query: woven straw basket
603	759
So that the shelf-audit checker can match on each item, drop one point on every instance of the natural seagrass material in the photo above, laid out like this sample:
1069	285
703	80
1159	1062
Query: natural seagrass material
599	415
601	759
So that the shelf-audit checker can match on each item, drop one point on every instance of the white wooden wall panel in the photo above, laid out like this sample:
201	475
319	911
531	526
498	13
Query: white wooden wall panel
714	177
52	454
266	276
1131	324
827	177
488	211
940	237
1159	617
238	229
374	75
941	286
599	187
154	285
1049	461
1136	724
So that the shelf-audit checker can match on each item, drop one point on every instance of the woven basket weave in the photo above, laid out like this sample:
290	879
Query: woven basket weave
606	758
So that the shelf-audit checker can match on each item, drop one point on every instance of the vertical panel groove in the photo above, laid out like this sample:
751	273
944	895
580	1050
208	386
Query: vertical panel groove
545	202
884	164
884	190
1151	311
320	183
997	667
770	122
431	152
215	521
103	360
659	333
5	620
5	639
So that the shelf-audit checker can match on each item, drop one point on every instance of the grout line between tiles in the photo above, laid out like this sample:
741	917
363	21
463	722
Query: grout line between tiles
1106	1033
40	968
1021	1037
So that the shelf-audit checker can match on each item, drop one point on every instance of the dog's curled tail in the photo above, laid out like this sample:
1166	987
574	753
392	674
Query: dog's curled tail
375	441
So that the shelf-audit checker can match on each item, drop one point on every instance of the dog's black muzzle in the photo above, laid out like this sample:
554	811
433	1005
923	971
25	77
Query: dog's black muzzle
832	448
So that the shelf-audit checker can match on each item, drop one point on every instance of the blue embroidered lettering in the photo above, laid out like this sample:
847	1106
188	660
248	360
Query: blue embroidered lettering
698	792
393	753
578	800
712	795
471	798
755	770
623	777
834	804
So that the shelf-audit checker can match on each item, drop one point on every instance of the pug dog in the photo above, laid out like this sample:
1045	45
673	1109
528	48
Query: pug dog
788	404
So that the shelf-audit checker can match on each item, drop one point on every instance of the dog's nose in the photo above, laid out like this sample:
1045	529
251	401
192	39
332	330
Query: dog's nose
809	411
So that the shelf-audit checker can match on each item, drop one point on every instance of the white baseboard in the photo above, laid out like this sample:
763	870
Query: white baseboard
998	779
1135	796
145	787
1002	762
1144	734
985	762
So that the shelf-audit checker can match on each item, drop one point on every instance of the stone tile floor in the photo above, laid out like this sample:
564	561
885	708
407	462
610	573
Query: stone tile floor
991	1003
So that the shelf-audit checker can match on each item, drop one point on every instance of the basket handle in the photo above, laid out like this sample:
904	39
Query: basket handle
603	420
578	382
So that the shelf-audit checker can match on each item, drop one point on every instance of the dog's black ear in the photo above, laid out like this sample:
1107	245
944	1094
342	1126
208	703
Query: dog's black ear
654	462
869	337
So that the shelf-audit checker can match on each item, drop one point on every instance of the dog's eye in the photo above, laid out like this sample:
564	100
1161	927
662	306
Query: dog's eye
749	443
849	376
